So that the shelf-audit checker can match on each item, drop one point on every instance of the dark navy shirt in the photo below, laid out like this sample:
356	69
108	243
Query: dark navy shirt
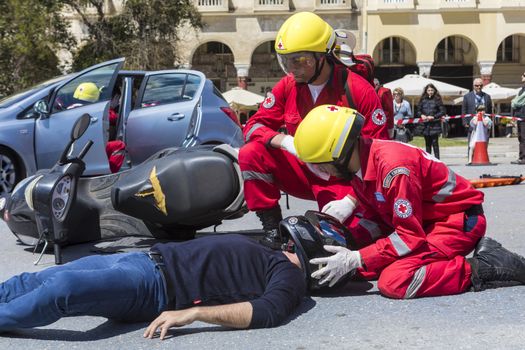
227	269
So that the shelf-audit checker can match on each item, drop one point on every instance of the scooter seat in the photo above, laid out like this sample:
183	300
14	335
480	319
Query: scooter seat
185	187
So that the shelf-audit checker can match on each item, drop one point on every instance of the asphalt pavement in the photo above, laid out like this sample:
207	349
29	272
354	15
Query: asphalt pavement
357	317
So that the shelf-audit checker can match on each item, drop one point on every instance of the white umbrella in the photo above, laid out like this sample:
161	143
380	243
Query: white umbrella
242	99
413	85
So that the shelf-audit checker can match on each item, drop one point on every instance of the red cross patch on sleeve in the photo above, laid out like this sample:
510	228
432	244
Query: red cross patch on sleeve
269	100
403	208
378	117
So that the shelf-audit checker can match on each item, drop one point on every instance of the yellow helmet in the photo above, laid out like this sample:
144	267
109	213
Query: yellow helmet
88	92
328	133
304	31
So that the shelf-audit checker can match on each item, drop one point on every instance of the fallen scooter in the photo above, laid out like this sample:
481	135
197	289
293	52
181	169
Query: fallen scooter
171	195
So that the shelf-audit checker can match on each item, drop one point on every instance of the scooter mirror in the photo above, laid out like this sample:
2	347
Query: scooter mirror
80	126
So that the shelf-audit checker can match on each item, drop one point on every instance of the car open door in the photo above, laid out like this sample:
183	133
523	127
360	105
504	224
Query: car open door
166	112
88	92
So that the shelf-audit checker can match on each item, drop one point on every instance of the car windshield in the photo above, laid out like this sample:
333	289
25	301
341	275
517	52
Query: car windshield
12	99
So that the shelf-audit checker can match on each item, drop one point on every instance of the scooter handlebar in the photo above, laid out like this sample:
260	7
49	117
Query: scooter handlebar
85	149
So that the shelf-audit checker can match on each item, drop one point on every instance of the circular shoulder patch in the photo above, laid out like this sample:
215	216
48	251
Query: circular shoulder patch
403	208
378	117
269	101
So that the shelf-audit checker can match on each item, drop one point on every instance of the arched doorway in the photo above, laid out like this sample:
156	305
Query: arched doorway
506	72
265	71
510	59
394	57
454	60
215	59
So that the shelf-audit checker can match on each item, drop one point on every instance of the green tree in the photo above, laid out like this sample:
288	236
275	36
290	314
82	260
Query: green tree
31	32
145	31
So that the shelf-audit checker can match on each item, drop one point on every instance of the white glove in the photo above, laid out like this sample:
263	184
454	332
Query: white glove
342	262
287	145
340	209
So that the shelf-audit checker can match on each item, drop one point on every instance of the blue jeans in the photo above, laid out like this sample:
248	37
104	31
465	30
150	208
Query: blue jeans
121	286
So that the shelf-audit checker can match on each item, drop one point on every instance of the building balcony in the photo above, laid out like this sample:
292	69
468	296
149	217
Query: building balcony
458	4
385	5
271	5
204	6
333	4
512	3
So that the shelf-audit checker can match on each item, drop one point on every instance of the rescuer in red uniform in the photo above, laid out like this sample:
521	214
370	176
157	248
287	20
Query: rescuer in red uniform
431	217
268	160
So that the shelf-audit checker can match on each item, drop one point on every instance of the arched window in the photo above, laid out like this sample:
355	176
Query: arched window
509	49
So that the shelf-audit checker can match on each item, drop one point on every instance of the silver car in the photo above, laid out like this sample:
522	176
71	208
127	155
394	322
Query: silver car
154	110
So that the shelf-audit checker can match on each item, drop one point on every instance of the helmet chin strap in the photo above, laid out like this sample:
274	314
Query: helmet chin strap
318	69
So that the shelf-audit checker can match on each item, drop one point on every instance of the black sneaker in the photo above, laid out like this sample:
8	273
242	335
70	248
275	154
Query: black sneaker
519	161
493	263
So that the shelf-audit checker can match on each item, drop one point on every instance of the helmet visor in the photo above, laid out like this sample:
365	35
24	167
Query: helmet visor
296	62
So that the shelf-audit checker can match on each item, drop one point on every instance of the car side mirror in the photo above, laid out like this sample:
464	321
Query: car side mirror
41	108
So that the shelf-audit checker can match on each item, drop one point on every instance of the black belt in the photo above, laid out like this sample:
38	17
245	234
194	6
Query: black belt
169	291
474	210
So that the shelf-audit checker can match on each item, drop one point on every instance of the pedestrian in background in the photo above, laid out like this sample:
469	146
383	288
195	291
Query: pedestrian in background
518	110
472	100
430	109
402	111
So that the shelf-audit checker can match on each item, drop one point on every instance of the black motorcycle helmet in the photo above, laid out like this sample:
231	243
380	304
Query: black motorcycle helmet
18	215
306	235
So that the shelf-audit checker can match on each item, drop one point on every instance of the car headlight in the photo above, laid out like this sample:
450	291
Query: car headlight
61	197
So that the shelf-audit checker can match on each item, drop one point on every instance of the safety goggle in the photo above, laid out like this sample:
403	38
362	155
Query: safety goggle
295	60
320	170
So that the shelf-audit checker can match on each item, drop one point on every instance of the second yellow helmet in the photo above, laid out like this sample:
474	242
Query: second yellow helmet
327	134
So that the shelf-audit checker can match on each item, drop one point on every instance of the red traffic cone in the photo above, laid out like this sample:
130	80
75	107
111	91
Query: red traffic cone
480	155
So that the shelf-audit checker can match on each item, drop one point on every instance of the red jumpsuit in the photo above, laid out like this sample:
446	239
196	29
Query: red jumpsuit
426	211
267	170
387	101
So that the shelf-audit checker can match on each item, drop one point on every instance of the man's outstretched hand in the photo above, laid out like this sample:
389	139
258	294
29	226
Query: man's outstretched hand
168	319
238	315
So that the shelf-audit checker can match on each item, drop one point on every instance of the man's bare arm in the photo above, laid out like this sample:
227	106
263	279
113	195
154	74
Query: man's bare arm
237	315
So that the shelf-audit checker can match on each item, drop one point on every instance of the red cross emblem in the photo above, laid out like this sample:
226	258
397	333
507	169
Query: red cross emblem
332	108
269	101
403	208
378	117
280	45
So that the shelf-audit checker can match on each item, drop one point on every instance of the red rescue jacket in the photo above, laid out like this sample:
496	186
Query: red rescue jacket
407	189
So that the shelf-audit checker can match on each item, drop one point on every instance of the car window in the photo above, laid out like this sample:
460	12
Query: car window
86	89
12	99
170	88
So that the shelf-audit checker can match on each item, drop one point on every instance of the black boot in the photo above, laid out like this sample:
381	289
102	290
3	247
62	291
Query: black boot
493	263
270	219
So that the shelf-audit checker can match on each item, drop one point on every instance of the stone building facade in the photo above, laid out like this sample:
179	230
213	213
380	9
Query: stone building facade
451	40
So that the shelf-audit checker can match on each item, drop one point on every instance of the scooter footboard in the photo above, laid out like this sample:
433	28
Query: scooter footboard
190	187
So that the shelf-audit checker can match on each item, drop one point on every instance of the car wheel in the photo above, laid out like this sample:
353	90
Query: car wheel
10	171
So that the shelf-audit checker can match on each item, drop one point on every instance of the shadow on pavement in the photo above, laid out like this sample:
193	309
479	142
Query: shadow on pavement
106	330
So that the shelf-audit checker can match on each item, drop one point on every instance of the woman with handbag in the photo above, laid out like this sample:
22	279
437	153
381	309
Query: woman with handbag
402	111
